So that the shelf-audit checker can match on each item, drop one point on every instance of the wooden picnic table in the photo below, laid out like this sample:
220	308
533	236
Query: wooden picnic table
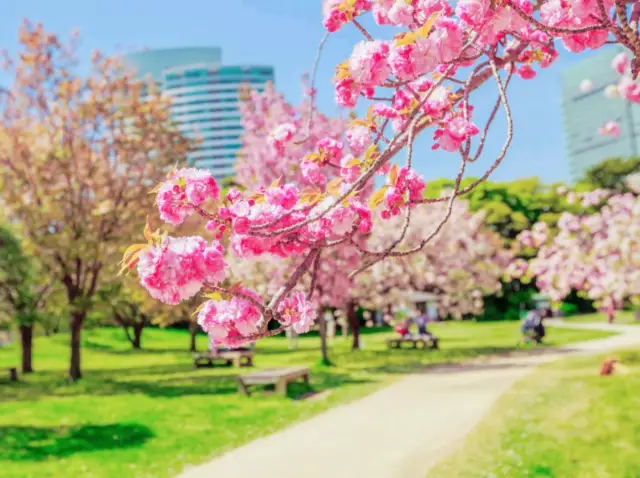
239	358
280	377
425	342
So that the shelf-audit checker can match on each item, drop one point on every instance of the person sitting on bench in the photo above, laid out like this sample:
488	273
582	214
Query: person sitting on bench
421	321
403	329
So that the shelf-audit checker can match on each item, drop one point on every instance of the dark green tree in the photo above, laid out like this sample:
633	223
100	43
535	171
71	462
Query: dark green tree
21	297
611	174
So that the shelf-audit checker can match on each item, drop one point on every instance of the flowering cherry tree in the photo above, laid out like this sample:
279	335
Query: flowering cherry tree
598	253
458	267
422	80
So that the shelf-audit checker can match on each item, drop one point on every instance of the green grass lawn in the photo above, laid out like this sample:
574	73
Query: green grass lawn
149	413
626	317
563	421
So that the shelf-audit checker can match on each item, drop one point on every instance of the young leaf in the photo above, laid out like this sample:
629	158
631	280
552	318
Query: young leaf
276	183
424	30
377	197
333	187
353	162
342	71
148	235
393	174
130	257
198	309
408	38
213	295
156	189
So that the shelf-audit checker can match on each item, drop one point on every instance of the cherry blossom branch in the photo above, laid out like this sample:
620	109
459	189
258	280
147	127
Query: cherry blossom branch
312	81
236	293
362	30
557	30
503	151
314	274
290	284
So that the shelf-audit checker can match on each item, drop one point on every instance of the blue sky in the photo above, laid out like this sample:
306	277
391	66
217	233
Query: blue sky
285	34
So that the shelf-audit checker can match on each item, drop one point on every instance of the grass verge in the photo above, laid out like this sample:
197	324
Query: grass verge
148	413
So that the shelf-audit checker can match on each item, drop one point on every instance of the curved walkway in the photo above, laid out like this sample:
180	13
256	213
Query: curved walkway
400	431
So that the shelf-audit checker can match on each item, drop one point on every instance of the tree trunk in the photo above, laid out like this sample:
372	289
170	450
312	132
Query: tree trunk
322	327
193	329
137	336
611	315
77	321
26	340
354	324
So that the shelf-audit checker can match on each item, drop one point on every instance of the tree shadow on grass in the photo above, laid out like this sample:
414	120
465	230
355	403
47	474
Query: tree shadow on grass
112	382
105	385
39	443
126	350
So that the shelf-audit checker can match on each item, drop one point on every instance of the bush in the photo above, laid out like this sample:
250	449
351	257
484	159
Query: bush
568	309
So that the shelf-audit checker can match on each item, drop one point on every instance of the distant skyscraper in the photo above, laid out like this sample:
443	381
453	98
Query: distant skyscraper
585	112
205	98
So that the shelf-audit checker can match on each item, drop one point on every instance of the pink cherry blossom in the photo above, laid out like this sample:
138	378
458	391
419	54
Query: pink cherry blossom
176	269
298	312
312	173
620	63
359	139
610	128
368	63
230	322
454	133
183	191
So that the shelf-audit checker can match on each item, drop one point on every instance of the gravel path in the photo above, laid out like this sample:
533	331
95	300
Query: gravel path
402	430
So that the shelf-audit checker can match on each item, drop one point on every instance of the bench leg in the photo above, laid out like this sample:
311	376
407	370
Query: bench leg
306	380
236	362
242	388
415	345
281	387
249	362
13	374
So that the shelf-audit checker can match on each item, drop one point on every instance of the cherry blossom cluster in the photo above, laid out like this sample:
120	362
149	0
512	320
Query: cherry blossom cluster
463	263
598	254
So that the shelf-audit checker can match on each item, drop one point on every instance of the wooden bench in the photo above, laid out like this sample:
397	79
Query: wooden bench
239	358
425	342
279	377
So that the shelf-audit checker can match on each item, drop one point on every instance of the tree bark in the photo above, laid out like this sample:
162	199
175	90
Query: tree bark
137	336
322	328
354	324
193	329
26	340
77	321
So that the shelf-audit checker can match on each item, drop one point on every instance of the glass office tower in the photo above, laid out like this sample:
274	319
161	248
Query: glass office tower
585	112
205	98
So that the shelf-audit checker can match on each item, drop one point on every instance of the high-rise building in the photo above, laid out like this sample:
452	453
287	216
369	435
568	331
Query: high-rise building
585	112
204	96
